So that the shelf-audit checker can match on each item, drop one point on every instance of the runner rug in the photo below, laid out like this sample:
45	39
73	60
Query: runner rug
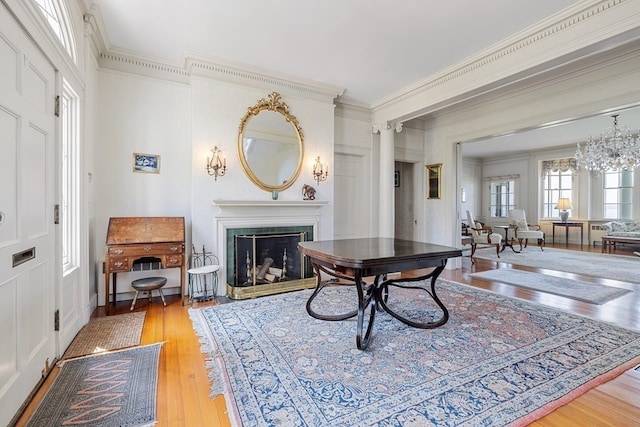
110	389
497	361
618	267
107	333
575	289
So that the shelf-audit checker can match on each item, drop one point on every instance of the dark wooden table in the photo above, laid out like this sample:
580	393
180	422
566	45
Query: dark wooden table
566	226
349	261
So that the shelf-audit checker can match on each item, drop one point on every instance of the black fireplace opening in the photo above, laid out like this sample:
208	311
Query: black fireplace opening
269	258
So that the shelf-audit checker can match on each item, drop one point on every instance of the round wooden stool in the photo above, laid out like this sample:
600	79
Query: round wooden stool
148	284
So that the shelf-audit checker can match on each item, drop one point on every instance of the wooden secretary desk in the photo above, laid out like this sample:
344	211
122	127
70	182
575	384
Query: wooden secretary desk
143	243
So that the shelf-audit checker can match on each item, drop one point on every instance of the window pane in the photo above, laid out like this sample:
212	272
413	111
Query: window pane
610	211
610	179
626	178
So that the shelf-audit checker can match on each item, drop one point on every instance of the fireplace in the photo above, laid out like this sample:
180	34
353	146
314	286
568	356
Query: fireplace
269	262
246	223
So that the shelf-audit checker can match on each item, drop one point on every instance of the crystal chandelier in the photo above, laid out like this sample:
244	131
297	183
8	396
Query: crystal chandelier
616	149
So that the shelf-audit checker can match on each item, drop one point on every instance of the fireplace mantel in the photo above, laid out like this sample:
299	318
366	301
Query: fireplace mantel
235	204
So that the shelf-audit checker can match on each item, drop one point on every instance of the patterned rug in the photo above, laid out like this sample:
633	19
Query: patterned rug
107	333
498	361
618	267
112	389
578	290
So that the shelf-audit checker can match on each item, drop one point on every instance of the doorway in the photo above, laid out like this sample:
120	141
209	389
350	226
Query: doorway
406	223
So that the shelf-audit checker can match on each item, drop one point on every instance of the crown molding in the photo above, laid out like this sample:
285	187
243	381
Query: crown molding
129	61
349	109
233	72
136	63
588	27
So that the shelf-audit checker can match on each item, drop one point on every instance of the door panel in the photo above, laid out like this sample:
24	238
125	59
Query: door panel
349	198
8	177
27	168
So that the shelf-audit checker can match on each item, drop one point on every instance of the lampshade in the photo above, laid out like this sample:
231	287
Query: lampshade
563	204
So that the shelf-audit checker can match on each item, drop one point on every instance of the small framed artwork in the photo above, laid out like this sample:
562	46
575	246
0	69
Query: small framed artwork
396	179
434	181
146	163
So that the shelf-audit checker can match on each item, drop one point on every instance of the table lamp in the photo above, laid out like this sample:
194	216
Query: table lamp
562	205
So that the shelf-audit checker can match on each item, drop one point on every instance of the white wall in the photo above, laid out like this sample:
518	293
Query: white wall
181	122
139	115
217	110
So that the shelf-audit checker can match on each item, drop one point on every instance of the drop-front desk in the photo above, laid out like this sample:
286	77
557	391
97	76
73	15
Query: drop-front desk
141	243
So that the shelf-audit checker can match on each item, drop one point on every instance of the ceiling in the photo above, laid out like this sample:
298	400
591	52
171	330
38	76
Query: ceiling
371	48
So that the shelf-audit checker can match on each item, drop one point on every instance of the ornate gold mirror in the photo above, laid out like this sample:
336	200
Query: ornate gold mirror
270	144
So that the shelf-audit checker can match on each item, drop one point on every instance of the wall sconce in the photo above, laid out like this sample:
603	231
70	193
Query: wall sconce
320	172
215	165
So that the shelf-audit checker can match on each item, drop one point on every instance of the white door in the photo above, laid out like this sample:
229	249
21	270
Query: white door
351	218
27	235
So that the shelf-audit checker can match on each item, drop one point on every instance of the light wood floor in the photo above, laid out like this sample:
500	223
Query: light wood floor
183	389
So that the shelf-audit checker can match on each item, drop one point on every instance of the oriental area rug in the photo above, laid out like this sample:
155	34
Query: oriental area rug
107	333
104	390
618	267
497	361
575	289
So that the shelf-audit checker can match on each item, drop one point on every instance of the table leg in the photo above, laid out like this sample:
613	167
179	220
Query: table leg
320	285
566	236
373	297
367	300
402	284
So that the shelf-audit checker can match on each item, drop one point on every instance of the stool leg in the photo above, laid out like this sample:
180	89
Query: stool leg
162	296
135	297
191	289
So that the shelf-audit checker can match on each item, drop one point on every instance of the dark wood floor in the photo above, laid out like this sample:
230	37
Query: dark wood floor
183	386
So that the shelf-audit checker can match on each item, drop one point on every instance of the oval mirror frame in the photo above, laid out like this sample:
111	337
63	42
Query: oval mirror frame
275	104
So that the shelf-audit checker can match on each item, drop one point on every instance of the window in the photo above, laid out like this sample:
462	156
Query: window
618	194
502	193
69	208
55	15
556	184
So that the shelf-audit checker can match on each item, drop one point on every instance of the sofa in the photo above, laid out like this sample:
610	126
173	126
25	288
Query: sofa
620	232
622	228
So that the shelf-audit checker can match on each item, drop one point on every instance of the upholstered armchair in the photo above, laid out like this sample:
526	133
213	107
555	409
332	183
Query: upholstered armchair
524	231
482	235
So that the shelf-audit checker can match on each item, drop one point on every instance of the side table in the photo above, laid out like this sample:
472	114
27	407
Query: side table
566	226
508	239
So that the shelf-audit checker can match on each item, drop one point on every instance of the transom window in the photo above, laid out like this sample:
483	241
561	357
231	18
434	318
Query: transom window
55	15
618	194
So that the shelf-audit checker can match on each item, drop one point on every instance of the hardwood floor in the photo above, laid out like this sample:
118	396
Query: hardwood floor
183	388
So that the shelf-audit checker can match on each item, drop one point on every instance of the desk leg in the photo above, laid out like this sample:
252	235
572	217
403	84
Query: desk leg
107	283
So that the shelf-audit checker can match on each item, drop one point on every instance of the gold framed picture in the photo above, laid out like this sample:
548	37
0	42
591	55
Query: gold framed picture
434	181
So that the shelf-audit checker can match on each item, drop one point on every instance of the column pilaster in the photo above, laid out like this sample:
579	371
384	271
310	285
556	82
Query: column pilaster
386	206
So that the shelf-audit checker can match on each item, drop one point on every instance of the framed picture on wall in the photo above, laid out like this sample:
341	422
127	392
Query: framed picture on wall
434	181
146	163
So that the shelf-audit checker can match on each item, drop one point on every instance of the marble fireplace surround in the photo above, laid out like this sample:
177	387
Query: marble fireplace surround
233	214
